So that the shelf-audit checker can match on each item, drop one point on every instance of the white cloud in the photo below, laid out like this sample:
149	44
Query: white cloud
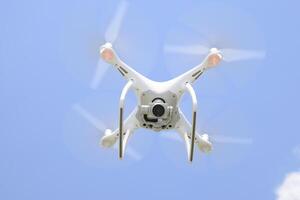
290	188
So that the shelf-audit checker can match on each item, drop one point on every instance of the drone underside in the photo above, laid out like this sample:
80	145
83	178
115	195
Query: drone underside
158	103
158	111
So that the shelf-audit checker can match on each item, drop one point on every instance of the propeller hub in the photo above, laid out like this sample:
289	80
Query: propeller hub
214	59
107	54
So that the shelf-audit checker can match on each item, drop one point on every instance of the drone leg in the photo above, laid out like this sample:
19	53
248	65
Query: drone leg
127	134
184	135
122	100
203	141
194	101
111	137
121	134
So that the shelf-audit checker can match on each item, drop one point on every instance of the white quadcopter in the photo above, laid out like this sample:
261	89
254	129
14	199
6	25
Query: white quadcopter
158	102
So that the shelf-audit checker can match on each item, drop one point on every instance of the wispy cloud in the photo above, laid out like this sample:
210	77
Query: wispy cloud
290	188
296	151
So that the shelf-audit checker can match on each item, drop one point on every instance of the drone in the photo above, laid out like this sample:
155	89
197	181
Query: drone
157	107
158	103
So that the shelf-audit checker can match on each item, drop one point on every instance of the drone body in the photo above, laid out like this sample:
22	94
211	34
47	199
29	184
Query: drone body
158	103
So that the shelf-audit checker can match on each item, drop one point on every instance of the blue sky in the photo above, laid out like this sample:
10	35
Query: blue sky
48	54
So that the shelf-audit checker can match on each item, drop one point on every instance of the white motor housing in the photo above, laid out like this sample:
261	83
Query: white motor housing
109	139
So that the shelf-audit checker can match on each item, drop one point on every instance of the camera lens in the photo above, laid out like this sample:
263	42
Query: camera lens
158	110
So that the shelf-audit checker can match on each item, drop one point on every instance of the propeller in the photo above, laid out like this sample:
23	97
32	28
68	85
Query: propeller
113	29
110	37
228	55
231	140
99	125
215	139
226	150
228	131
232	31
88	121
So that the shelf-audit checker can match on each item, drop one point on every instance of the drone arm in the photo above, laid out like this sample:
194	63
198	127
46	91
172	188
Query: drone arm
129	126
202	140
122	101
192	75
109	55
194	102
184	128
211	60
184	135
130	74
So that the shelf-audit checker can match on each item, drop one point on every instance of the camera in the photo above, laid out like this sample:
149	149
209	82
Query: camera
156	110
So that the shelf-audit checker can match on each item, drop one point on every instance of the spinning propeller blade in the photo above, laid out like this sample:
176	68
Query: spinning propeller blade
99	125
191	49
229	55
89	117
231	140
222	139
113	29
110	36
86	123
231	30
223	154
102	67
